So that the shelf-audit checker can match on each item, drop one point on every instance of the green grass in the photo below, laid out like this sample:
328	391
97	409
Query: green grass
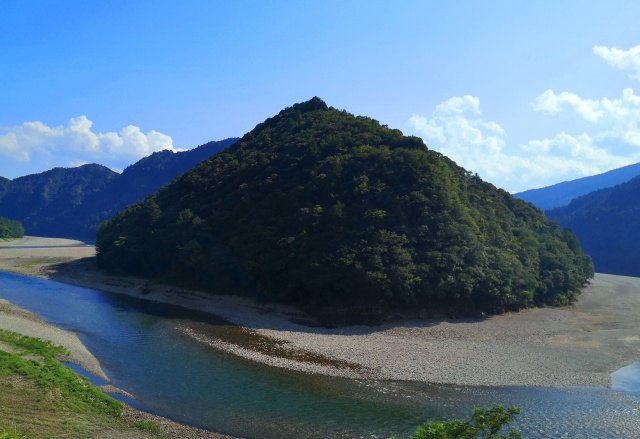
11	434
37	360
42	398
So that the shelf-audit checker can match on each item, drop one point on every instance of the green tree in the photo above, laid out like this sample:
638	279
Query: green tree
334	212
485	423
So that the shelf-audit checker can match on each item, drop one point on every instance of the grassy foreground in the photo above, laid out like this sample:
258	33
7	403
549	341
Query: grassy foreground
40	397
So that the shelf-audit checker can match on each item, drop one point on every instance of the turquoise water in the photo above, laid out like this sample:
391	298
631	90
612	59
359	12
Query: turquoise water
143	350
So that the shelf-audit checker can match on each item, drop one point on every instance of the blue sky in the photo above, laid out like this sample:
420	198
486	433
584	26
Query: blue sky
526	93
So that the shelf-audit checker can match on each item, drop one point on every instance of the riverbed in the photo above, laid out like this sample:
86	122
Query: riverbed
143	349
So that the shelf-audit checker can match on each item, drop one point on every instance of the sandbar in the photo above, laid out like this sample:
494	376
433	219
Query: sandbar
577	345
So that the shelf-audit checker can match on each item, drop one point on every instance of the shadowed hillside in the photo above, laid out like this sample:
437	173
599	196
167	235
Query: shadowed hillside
71	203
608	225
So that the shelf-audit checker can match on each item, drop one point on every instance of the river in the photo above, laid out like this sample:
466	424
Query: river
143	350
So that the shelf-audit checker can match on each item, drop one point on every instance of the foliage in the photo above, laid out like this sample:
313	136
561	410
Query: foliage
321	208
10	229
485	423
36	360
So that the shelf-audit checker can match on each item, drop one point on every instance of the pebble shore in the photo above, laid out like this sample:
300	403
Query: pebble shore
579	345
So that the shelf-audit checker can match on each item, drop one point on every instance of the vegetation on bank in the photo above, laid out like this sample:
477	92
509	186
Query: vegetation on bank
10	229
485	423
324	209
41	398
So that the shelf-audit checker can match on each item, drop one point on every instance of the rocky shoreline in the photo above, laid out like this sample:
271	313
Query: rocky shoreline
580	345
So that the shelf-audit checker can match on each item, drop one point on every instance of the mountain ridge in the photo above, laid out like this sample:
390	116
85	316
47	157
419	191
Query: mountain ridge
72	202
607	222
561	194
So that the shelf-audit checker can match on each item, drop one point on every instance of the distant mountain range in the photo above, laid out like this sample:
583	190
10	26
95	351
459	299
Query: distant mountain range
604	213
561	194
607	223
73	202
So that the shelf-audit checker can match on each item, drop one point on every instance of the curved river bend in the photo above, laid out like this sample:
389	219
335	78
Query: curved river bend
142	349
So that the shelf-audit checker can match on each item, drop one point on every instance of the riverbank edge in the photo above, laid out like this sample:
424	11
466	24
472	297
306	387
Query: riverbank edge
24	322
530	348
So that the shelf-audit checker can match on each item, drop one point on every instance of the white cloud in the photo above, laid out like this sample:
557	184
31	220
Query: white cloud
551	103
611	140
621	59
614	119
38	141
457	130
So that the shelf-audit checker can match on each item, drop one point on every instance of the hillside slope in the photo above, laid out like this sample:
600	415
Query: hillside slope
143	178
38	199
318	207
71	203
561	194
608	225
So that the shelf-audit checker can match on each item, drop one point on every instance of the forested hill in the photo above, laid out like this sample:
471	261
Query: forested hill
561	194
72	202
37	199
143	178
608	225
321	208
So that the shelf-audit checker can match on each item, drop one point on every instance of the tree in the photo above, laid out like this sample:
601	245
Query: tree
485	423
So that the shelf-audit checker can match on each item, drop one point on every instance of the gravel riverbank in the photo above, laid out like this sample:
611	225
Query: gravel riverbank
579	345
36	260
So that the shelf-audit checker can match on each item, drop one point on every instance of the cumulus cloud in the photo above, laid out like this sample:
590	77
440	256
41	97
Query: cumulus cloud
616	120
612	140
621	59
456	127
79	143
621	112
457	130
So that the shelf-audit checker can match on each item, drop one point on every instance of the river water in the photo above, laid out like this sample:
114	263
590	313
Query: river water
143	350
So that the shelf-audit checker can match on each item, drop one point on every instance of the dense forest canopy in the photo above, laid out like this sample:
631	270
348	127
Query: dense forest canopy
10	229
321	208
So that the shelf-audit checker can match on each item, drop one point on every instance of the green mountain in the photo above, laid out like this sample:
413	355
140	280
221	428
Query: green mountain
608	225
321	208
71	203
143	178
561	194
37	200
